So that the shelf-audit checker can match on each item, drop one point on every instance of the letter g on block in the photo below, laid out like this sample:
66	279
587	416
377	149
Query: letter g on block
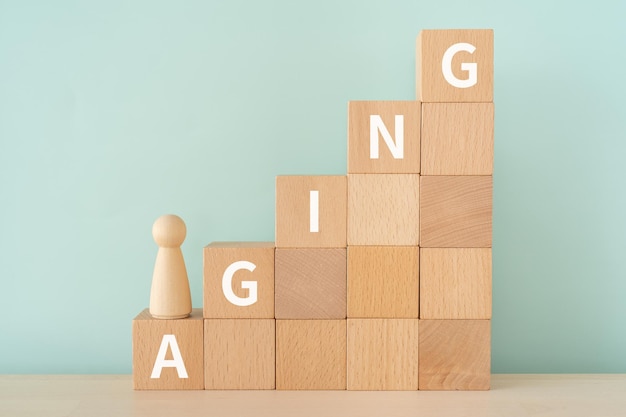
251	286
470	67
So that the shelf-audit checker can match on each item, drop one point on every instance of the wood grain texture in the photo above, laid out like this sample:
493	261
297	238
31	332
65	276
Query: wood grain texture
310	283
383	209
383	282
359	159
293	211
455	211
457	138
311	354
382	354
454	354
430	82
455	283
220	255
239	354
148	333
170	297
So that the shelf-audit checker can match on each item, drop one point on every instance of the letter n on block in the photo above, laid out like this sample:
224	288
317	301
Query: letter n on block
239	280
384	137
455	66
311	211
168	354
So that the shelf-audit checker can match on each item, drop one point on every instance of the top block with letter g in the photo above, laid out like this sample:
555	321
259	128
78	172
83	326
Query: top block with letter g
454	66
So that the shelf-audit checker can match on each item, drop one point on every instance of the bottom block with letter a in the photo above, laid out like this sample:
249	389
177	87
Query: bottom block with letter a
454	354
168	354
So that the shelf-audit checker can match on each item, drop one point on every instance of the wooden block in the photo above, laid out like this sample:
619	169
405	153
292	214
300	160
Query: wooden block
239	353
239	280
310	283
457	139
167	354
454	354
383	209
455	283
382	354
384	137
311	354
455	211
466	56
383	282
311	211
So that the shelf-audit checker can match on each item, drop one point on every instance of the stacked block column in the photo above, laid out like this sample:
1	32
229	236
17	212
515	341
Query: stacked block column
383	238
310	282
455	85
239	326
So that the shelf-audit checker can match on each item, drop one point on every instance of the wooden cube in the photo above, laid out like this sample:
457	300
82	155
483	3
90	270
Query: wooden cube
167	354
311	211
310	283
239	354
457	139
239	280
455	66
455	283
455	211
454	354
384	137
311	354
383	209
382	354
383	282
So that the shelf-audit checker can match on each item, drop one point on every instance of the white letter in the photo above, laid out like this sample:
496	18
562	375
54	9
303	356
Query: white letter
377	125
161	362
251	286
471	68
314	223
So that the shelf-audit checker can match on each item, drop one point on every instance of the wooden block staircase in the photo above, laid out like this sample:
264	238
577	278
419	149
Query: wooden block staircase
377	280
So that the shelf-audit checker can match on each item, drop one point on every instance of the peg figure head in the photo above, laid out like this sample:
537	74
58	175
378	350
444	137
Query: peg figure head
169	231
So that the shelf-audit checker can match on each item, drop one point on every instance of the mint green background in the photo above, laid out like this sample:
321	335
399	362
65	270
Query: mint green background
113	113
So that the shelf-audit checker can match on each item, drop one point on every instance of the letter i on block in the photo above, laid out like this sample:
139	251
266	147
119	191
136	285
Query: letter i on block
455	66
168	354
311	211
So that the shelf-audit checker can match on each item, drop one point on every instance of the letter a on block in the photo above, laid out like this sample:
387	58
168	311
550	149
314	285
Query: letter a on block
251	286
377	125
176	362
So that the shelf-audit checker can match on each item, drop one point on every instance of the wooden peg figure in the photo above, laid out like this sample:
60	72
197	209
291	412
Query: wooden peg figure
170	297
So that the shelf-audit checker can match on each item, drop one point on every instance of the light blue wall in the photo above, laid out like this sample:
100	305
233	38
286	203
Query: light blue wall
113	113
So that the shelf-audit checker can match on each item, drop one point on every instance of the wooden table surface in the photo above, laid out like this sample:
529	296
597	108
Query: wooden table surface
511	396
